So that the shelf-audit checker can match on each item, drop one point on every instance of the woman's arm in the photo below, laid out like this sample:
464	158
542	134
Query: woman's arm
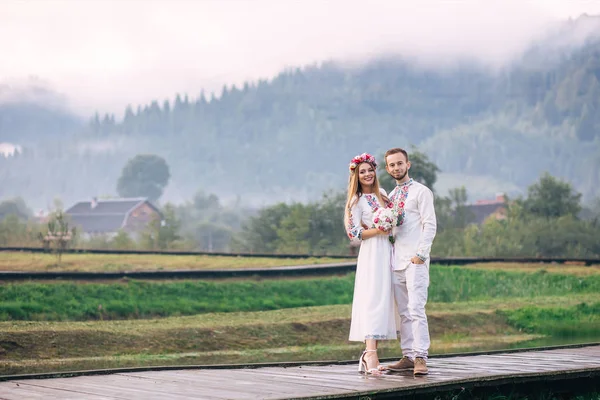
372	232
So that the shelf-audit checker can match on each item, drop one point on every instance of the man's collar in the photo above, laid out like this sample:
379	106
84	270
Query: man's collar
407	183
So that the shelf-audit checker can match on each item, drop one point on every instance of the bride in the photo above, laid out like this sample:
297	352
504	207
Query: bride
373	314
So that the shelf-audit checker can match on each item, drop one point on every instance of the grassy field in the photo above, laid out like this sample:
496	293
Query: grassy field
23	261
147	299
469	309
577	269
310	333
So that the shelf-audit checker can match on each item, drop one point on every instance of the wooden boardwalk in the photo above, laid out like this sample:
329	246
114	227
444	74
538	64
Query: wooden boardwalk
316	381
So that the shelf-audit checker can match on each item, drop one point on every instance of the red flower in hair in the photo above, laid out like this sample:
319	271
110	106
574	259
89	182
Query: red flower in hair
364	157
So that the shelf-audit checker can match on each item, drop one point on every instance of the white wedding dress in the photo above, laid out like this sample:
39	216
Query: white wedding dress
373	306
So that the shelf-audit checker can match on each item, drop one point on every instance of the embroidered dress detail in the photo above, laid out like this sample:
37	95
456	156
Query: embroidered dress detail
354	231
372	201
377	337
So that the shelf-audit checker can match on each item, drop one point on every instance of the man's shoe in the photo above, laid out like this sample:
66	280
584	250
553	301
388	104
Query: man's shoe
404	364
420	366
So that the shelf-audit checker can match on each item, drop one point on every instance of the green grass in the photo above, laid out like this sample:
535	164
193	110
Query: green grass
138	299
59	326
581	320
85	262
572	268
24	261
147	299
294	315
307	333
311	333
465	284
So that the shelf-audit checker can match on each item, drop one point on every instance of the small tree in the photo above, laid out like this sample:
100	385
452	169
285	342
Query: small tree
59	236
551	197
16	207
144	175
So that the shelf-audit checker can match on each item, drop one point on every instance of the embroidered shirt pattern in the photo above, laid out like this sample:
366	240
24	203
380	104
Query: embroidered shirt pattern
398	198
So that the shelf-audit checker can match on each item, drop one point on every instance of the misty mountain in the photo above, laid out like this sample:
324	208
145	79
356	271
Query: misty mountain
291	138
30	111
30	122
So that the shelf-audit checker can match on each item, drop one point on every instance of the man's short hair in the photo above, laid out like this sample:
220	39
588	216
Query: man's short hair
395	150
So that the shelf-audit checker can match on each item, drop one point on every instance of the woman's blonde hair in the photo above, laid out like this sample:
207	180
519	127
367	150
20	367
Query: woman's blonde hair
355	190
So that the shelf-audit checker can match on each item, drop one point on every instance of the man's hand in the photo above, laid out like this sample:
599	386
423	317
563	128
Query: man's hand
416	260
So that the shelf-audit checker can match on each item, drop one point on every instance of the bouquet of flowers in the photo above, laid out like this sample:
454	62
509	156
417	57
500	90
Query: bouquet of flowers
385	219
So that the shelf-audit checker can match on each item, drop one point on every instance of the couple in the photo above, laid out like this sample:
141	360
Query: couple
390	289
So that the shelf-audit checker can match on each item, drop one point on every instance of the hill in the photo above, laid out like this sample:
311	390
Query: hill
291	138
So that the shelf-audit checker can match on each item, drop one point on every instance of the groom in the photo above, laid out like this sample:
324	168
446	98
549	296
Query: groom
414	237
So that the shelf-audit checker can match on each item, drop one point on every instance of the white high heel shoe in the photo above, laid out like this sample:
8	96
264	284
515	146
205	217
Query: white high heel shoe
362	365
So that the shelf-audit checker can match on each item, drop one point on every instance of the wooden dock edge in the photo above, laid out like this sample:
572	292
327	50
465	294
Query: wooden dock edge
289	364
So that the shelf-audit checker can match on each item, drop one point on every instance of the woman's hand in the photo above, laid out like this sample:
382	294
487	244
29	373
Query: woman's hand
387	232
371	232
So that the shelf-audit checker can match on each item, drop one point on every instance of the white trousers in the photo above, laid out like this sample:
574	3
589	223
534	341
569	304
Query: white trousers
410	292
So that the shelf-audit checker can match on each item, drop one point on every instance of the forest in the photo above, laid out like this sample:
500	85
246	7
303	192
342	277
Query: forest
290	138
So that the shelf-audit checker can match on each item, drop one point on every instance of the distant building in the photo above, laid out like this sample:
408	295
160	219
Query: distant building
109	216
481	210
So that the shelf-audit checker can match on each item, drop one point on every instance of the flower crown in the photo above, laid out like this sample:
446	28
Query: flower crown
364	157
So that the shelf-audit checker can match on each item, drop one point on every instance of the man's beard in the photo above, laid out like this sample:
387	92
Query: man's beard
401	176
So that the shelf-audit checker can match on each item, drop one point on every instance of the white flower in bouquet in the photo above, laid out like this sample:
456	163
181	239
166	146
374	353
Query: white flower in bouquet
385	218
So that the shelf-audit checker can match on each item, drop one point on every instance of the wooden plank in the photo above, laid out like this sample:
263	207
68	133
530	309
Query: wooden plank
118	387
228	386
468	369
239	385
577	356
350	380
571	350
537	363
24	390
527	361
389	380
531	356
213	384
211	388
300	381
303	379
432	371
505	363
357	383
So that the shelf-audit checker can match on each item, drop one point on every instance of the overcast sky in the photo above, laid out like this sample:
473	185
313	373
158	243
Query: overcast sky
104	54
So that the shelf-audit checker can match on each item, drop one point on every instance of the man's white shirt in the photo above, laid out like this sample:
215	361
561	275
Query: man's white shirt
415	236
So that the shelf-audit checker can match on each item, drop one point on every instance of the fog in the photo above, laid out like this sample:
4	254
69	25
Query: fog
101	55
